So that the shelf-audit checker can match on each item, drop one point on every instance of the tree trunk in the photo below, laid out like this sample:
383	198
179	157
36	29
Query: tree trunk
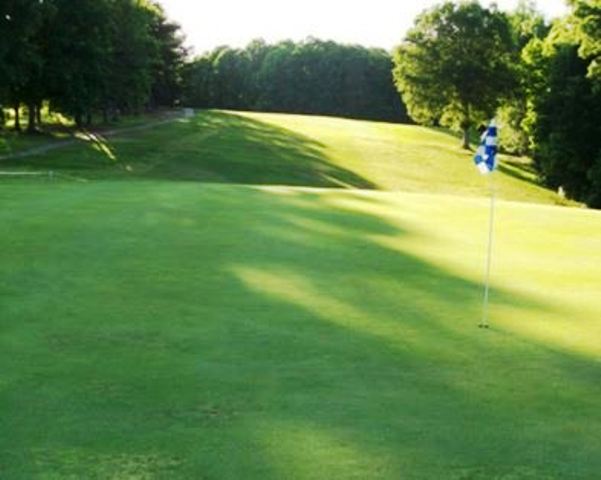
38	113
32	118
17	118
466	138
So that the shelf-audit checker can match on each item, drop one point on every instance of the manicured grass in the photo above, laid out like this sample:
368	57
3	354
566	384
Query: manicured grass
160	329
11	143
254	148
56	128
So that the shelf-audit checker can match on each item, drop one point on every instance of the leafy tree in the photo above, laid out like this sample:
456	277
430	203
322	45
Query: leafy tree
255	53
566	118
98	55
455	65
276	79
132	57
78	56
196	82
311	77
527	25
230	70
587	18
169	60
21	60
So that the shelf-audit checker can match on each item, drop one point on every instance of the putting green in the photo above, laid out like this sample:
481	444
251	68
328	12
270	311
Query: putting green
155	329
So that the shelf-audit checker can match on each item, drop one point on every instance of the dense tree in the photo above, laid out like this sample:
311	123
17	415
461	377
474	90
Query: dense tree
170	55
527	25
78	56
96	56
311	77
21	59
566	116
587	18
455	65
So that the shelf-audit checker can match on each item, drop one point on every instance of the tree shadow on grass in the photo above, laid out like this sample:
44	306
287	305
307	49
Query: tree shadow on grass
251	333
378	356
520	171
214	146
248	151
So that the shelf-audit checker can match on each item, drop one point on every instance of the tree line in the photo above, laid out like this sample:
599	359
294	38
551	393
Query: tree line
308	77
90	57
462	64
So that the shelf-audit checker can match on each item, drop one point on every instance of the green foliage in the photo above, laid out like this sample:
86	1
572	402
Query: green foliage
22	50
587	18
568	129
96	56
169	58
564	114
515	115
313	77
78	56
594	176
455	65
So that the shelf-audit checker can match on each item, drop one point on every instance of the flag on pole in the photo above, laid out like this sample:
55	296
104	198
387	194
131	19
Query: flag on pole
486	161
486	155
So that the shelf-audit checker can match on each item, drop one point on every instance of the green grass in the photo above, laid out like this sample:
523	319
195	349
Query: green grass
173	330
11	143
157	327
272	149
57	128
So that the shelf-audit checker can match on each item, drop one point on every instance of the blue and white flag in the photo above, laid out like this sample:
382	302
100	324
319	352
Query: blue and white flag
486	155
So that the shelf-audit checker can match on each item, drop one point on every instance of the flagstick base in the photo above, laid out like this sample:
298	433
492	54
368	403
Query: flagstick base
485	327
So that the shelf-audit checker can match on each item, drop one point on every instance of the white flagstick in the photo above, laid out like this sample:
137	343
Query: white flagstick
491	231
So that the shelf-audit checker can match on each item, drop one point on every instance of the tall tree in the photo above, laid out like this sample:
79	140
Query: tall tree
587	18
311	77
170	56
77	56
527	25
566	116
21	59
133	54
455	65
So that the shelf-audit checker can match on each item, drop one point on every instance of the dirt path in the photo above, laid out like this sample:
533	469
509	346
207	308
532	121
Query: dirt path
89	136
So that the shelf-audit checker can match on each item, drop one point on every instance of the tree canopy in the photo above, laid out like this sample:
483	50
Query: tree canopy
311	77
455	65
98	56
587	18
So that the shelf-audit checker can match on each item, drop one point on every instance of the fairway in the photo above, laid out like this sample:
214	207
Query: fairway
296	150
177	329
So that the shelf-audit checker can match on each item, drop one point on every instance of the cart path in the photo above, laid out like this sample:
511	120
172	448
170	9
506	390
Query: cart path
88	136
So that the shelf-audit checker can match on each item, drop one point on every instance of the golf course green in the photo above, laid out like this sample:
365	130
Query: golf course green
259	296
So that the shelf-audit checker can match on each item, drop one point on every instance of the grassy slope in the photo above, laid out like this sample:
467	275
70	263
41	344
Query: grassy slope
172	330
56	129
294	150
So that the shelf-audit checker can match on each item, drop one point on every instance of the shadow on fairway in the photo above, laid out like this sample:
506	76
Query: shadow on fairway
247	151
346	359
224	333
214	146
519	171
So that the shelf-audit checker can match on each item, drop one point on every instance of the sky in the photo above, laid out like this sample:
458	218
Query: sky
372	23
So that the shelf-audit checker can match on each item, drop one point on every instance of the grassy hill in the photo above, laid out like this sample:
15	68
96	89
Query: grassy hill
274	149
158	327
